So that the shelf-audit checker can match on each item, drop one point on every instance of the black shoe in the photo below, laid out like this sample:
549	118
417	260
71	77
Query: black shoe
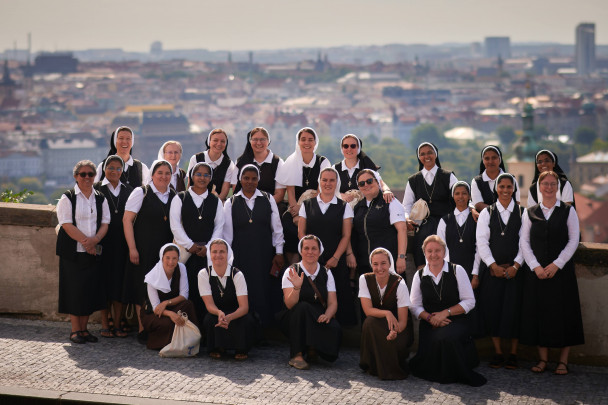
142	337
76	338
497	361
86	335
511	363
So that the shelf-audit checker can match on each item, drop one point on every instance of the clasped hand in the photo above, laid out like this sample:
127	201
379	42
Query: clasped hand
546	272
440	319
222	320
393	326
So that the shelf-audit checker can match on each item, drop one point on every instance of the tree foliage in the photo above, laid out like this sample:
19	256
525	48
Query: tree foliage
585	135
11	197
506	134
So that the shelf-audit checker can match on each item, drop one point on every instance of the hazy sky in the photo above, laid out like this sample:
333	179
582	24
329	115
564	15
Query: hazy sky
270	24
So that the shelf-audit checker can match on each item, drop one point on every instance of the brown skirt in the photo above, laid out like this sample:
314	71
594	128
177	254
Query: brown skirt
386	359
160	330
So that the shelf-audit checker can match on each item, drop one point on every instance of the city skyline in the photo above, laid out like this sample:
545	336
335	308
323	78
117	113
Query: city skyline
275	24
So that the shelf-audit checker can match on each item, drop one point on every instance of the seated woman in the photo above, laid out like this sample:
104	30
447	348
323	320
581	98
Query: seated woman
551	307
385	334
227	323
167	285
309	292
441	297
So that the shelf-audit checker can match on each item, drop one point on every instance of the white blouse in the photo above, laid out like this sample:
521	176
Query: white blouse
231	173
483	233
331	284
403	294
461	217
175	218
204	286
409	198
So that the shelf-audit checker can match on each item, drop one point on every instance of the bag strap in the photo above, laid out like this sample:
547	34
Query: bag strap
315	289
393	286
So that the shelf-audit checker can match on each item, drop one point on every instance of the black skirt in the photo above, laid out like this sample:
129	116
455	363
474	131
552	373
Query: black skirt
386	359
239	335
81	287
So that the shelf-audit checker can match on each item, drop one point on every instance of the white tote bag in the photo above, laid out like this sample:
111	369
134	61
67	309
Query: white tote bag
185	341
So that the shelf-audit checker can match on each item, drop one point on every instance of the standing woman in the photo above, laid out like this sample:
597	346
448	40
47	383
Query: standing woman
309	292
552	309
482	186
376	224
257	152
354	161
84	216
171	151
121	144
330	219
441	298
113	263
385	334
500	278
228	324
167	295
196	218
147	229
252	225
216	155
547	161
300	173
433	185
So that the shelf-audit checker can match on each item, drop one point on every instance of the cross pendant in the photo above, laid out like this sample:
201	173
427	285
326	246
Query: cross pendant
306	182
315	296
222	294
349	183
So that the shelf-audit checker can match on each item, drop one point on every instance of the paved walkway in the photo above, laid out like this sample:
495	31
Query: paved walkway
38	360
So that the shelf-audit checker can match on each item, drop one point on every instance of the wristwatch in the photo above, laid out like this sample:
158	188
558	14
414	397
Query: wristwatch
401	256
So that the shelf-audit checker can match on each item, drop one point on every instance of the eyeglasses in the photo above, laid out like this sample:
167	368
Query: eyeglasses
114	169
199	174
85	174
546	184
362	183
173	152
352	146
540	162
259	140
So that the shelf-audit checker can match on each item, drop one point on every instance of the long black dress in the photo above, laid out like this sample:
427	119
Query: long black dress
328	228
240	333
151	230
199	227
253	253
300	324
114	243
500	299
551	314
446	354
385	358
438	199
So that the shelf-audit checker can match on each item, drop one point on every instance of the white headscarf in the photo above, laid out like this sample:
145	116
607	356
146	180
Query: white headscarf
338	182
427	144
156	163
112	158
350	136
291	171
248	167
161	151
376	176
125	128
230	253
320	245
390	258
461	183
157	277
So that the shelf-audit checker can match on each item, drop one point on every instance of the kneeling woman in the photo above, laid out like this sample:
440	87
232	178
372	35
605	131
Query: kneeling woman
227	323
167	285
385	334
441	297
309	292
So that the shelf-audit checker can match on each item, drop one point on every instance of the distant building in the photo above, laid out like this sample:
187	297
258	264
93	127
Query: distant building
593	219
585	48
7	89
497	46
56	62
588	167
156	48
60	155
14	164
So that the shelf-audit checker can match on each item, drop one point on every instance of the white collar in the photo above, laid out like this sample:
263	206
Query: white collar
333	200
458	213
486	178
208	159
544	207
257	193
153	187
433	171
226	274
193	194
427	272
130	161
501	209
106	181
267	160
77	191
345	168
313	275
312	161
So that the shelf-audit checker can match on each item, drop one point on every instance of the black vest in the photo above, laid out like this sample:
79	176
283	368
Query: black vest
66	246
437	195
219	173
132	175
462	253
224	298
259	229
504	247
117	209
310	175
372	228
548	237
174	293
389	301
150	226
307	293
268	172
327	227
199	230
484	188
350	182
447	289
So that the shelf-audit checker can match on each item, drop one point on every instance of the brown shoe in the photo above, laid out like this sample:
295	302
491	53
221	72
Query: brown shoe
299	364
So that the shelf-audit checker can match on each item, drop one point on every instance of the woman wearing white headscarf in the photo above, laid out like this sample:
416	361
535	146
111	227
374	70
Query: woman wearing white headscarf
167	286
330	218
135	173
171	151
386	332
228	324
309	293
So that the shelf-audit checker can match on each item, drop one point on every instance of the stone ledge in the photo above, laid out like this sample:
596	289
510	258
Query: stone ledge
28	215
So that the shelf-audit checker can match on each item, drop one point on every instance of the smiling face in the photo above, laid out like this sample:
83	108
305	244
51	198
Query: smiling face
381	265
219	255
217	142
161	177
548	187
124	142
200	179
306	142
170	260
504	189
249	181
328	183
370	189
85	183
427	156
461	197
310	252
350	147
491	161
544	163
259	142
434	253
113	171
172	154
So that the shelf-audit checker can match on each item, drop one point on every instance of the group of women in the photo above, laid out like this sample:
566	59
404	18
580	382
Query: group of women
172	242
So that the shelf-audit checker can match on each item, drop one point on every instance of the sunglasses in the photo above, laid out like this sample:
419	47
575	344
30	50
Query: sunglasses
199	174
85	174
352	146
362	183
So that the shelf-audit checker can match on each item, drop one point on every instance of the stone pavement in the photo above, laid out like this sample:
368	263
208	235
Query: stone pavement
38	360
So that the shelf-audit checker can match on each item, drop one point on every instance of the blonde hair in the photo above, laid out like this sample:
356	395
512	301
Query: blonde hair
433	238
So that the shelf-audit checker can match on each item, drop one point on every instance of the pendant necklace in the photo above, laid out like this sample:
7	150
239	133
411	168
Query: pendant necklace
162	206
502	230
117	202
430	196
219	284
381	294
463	229
440	293
306	175
247	211
200	210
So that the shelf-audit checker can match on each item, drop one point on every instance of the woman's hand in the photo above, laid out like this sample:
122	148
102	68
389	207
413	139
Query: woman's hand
510	272
278	261
348	197
331	263
400	265
177	318
160	308
475	281
475	214
294	279
134	256
202	252
351	262
411	225
294	210
388	196
222	321
194	249
550	270
440	319
497	270
393	323
540	272
89	243
392	335
324	318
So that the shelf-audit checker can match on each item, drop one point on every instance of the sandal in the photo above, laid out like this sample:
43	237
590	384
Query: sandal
76	338
511	363
110	323
299	364
540	367
106	333
86	335
215	355
559	370
497	361
125	326
241	356
118	332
